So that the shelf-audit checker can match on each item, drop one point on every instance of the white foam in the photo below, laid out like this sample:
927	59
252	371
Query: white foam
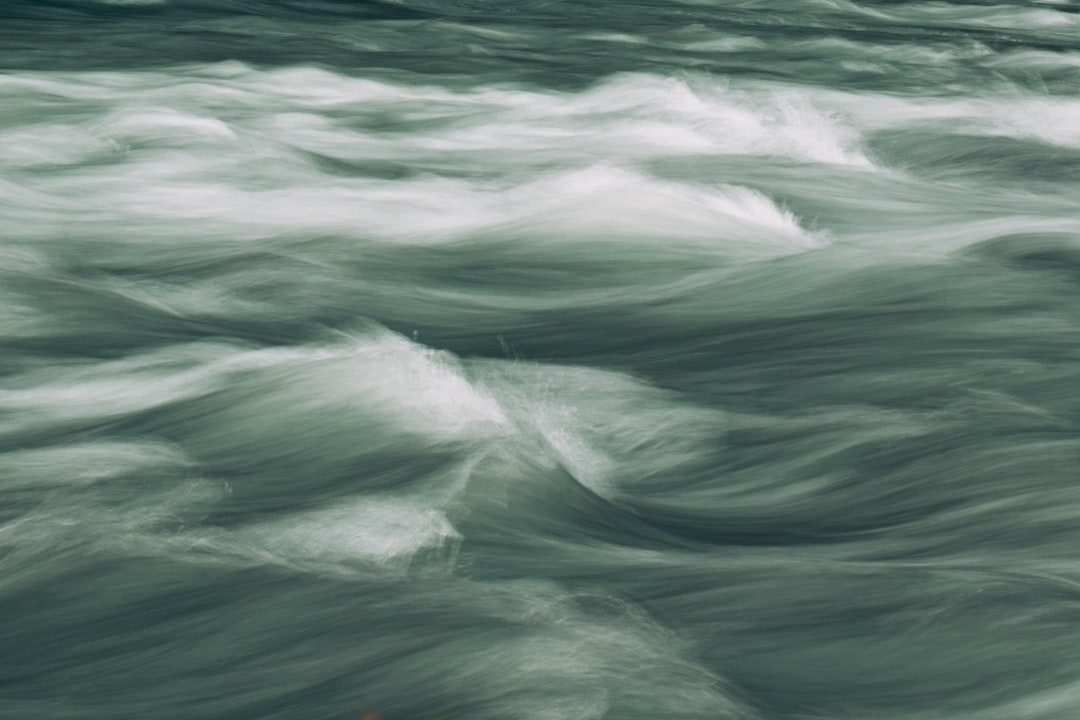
50	144
360	394
611	431
413	389
1055	120
603	662
60	395
386	531
424	388
164	125
608	204
418	389
87	463
226	151
726	44
638	116
944	14
1005	17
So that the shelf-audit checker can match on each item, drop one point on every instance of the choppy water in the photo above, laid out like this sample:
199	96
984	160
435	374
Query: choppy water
539	360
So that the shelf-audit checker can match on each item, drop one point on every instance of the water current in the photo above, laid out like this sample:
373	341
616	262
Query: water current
539	360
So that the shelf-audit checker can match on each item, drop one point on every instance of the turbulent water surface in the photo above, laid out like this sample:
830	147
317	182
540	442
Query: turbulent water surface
539	360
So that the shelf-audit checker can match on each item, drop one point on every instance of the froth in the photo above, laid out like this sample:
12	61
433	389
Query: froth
389	532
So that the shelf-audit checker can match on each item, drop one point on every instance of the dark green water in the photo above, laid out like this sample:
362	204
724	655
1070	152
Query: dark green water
539	360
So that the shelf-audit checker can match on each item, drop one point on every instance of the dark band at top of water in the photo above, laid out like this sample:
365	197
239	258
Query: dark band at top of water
560	44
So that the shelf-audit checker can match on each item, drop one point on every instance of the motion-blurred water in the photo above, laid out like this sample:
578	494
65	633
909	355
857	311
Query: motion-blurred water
539	360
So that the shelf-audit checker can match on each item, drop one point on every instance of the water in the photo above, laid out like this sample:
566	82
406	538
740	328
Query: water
474	360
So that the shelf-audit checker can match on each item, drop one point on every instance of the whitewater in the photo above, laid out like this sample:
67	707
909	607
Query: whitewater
538	360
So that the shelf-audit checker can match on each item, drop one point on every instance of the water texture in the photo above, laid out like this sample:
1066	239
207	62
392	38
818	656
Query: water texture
539	360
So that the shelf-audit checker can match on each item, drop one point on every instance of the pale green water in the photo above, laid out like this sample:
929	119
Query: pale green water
539	360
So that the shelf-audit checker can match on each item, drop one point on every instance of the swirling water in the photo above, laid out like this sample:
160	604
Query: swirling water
539	360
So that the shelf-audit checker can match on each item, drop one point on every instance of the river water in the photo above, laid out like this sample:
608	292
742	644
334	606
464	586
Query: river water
539	360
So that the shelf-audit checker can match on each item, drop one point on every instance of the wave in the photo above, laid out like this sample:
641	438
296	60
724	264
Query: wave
538	360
